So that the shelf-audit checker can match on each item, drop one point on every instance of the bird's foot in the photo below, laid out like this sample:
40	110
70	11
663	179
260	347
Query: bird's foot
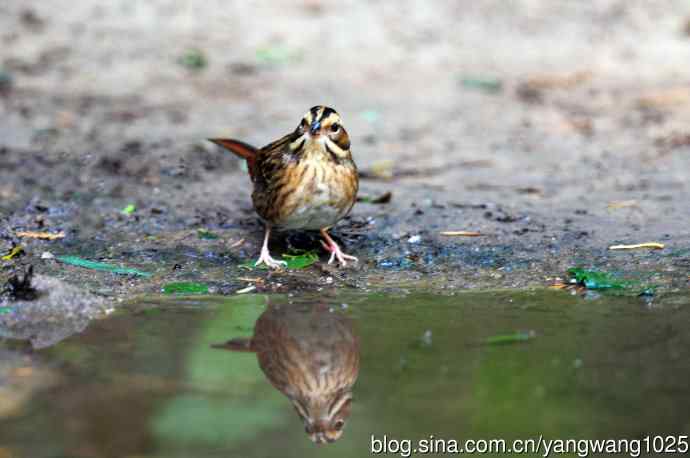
271	263
337	253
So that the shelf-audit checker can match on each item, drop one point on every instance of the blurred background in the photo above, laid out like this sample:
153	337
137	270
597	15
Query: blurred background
182	70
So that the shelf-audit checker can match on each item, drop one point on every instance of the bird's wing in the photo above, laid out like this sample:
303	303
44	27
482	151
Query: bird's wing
271	158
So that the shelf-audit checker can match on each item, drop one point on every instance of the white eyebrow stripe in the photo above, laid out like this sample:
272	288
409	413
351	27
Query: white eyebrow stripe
339	403
337	150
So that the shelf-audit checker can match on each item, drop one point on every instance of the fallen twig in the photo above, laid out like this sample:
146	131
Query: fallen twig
236	244
652	245
41	235
622	204
382	199
248	289
461	234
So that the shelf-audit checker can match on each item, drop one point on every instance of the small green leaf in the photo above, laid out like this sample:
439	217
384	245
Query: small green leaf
300	261
490	85
85	263
277	55
205	234
193	59
5	310
599	280
594	279
129	209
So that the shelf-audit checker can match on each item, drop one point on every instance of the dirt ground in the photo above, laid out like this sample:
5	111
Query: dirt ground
555	129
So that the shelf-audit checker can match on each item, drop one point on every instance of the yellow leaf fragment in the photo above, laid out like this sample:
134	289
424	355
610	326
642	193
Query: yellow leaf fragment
622	204
558	285
13	252
664	98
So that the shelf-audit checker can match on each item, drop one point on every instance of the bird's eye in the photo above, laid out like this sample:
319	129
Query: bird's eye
338	425
335	127
303	124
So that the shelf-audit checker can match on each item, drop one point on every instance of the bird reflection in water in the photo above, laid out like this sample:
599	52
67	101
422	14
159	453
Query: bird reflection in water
311	355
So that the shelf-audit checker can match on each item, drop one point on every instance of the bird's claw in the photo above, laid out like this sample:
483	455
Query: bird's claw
271	263
337	253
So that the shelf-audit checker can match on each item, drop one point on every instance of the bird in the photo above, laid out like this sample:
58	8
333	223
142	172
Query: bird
306	180
311	355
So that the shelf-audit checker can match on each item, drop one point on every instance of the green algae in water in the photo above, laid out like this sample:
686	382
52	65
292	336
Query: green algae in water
504	339
185	288
94	265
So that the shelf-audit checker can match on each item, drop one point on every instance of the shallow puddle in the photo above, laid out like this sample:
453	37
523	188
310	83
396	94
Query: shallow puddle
147	381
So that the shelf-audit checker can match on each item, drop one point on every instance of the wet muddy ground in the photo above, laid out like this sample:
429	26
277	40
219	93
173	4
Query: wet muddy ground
534	151
553	149
554	135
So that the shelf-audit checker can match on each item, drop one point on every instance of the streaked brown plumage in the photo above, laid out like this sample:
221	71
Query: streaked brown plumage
311	355
305	180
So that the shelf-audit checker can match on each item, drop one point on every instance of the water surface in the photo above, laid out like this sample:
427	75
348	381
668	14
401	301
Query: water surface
146	382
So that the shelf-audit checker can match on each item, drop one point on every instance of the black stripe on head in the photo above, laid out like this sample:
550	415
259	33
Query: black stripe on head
320	112
327	111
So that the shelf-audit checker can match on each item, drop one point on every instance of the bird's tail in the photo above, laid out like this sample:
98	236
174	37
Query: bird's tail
239	344
241	149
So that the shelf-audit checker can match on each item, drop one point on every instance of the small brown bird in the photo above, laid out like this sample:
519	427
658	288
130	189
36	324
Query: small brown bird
305	180
311	355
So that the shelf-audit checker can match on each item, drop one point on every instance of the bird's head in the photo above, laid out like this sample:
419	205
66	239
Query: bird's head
322	125
324	421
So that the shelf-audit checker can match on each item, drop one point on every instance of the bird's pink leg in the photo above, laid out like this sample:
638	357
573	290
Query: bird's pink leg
332	247
266	258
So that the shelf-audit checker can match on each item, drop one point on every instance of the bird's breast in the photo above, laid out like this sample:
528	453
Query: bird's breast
314	194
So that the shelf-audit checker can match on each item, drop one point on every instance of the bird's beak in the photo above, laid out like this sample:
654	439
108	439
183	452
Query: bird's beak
315	127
